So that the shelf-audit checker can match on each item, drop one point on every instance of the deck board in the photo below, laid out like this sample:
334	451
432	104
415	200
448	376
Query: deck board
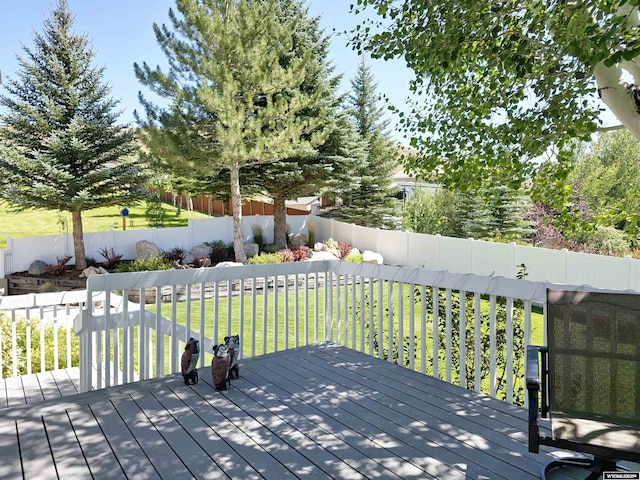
67	454
310	413
404	404
130	455
97	452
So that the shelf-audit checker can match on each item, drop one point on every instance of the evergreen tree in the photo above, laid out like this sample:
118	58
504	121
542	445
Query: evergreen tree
61	147
232	102
302	175
368	200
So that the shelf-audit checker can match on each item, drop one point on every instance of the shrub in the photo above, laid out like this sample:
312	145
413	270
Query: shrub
220	252
311	234
271	249
344	248
265	258
331	243
301	253
258	236
58	268
21	343
287	255
145	264
111	258
353	257
154	212
91	262
175	255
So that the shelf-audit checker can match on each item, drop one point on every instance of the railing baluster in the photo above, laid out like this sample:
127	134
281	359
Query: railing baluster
380	329
412	329
174	355
241	314
362	309
229	309
435	331
203	287
159	365
216	312
389	321
354	329
462	334
447	328
492	346
509	365
127	347
264	315
526	342
275	313
42	342
400	323
423	328
476	337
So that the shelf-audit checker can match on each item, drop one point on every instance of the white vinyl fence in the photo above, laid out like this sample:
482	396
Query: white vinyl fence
433	252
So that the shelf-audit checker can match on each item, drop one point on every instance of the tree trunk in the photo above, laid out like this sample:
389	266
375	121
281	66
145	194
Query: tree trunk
78	240
179	211
236	202
279	222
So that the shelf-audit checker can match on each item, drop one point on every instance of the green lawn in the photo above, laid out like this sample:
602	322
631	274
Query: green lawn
33	223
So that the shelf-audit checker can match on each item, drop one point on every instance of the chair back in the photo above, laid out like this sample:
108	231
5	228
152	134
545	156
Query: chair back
594	368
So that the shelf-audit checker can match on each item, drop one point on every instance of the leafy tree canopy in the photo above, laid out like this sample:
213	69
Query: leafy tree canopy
503	83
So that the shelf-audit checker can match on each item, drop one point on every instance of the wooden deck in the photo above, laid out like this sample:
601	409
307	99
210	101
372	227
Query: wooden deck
314	413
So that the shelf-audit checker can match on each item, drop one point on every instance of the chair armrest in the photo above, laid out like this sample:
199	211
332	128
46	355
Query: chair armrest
532	374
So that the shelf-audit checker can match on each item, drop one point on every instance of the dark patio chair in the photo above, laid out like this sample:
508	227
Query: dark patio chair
587	381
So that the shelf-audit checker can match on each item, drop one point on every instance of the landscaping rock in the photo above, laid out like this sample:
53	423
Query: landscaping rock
87	272
37	267
322	256
372	257
201	251
251	249
189	259
318	247
145	249
297	239
229	264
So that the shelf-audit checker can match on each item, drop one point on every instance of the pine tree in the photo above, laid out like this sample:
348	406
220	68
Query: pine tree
368	200
232	102
61	147
302	175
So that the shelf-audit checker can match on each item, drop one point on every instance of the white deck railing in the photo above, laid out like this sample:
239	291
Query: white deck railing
411	316
47	315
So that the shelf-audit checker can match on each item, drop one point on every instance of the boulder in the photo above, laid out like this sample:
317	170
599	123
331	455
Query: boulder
37	267
322	256
201	251
372	257
145	249
318	247
188	259
251	249
229	264
297	239
87	272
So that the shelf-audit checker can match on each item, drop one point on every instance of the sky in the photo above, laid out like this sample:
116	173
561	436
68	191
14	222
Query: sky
121	34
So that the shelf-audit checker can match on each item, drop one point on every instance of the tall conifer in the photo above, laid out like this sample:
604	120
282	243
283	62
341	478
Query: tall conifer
61	147
232	102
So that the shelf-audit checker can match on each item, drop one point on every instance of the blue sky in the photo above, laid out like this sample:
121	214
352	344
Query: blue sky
121	34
